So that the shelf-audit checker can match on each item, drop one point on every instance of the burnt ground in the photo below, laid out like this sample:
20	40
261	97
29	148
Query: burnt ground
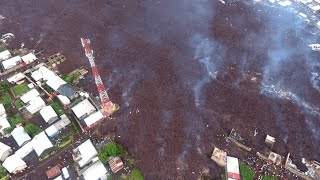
181	71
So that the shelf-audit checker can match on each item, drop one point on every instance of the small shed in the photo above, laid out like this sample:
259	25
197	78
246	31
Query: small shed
116	164
219	156
12	62
95	171
5	55
29	58
232	169
35	105
83	108
15	78
4	123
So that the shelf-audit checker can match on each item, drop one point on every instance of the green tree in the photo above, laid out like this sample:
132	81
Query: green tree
111	149
3	171
32	129
135	175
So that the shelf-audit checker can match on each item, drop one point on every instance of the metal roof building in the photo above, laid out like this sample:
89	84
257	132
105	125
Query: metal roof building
53	172
4	123
52	80
10	63
5	151
2	110
48	114
68	91
35	105
41	143
93	119
20	135
24	150
232	169
116	164
29	58
14	164
28	96
96	171
54	129
84	153
83	108
17	77
5	55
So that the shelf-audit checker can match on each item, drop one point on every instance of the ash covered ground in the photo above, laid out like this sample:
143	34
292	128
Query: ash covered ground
186	71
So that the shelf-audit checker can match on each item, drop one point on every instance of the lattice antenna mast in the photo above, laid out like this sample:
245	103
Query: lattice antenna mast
106	104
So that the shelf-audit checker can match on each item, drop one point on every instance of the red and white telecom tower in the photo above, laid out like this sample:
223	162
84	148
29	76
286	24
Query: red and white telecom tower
107	106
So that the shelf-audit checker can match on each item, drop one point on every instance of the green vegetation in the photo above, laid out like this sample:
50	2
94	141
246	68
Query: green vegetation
5	98
2	48
75	102
64	144
109	177
70	77
32	129
19	103
246	172
57	108
4	86
135	175
8	130
3	172
269	178
14	119
111	149
20	89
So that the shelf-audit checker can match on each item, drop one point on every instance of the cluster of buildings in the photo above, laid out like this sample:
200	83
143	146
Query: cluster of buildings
87	164
8	62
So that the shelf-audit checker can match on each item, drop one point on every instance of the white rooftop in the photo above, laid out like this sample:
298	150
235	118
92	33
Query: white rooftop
9	63
47	113
13	162
285	3
95	171
28	58
5	55
15	78
51	131
24	150
35	105
3	148
58	178
87	151
4	123
33	93
64	99
41	142
20	135
233	167
2	110
93	118
82	108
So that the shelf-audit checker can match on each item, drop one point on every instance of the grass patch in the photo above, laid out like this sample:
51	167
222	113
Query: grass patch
246	172
3	172
20	89
269	178
32	129
70	77
64	144
57	108
5	98
19	103
8	130
15	119
135	175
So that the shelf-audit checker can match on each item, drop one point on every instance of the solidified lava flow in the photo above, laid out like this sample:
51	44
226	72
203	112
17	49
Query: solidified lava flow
185	69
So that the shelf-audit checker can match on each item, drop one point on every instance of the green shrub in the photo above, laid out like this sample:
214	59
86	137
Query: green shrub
15	119
8	130
269	178
3	172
